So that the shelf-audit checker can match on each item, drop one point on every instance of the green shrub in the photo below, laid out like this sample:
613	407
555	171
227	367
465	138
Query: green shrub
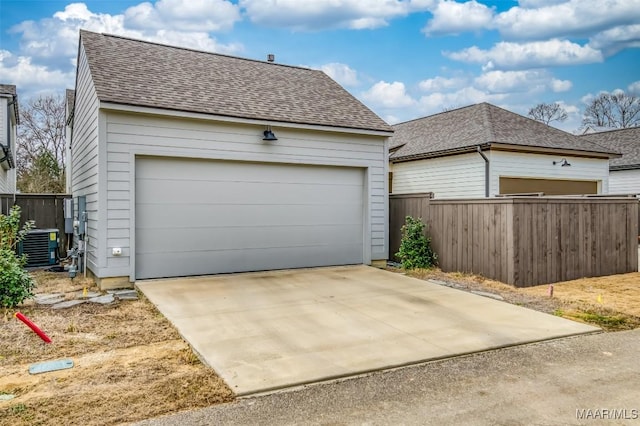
16	284
415	247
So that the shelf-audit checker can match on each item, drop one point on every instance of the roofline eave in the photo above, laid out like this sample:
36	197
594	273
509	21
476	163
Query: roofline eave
624	167
116	106
505	147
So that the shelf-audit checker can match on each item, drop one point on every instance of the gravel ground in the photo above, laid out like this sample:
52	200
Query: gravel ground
543	383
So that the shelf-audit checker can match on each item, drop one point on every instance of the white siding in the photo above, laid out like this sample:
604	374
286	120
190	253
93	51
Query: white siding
540	166
624	182
4	175
456	176
7	176
67	152
129	135
84	154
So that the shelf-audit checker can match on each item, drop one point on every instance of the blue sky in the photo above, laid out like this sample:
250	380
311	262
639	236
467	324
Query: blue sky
402	58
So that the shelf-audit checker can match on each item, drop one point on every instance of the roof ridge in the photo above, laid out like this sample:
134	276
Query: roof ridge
171	46
488	122
610	131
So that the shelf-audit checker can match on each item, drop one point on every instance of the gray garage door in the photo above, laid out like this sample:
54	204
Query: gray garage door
196	217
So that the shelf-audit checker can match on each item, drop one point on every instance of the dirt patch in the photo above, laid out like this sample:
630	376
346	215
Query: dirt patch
130	363
612	302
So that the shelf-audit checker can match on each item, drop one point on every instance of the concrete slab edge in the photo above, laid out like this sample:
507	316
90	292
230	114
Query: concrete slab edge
364	373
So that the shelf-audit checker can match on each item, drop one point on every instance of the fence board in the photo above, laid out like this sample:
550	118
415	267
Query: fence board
46	210
526	241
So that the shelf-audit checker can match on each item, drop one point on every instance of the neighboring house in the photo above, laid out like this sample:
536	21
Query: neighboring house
624	172
70	97
9	120
176	153
483	150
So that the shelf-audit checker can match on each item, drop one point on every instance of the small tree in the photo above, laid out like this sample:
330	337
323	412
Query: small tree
546	113
41	145
415	247
614	110
16	284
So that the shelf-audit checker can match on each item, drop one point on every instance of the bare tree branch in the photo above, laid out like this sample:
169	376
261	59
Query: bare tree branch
615	110
41	144
546	113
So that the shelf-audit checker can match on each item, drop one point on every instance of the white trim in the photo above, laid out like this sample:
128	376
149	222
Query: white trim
247	157
227	119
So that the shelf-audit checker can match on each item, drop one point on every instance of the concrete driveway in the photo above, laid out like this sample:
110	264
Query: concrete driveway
267	330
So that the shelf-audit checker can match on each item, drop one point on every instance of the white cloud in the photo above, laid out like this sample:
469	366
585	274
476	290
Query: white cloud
388	95
511	81
508	55
538	3
437	102
551	19
616	39
634	88
57	37
20	71
438	84
323	14
341	73
528	81
561	85
48	47
451	17
193	15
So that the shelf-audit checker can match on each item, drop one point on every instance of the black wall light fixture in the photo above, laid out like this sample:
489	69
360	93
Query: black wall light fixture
269	135
563	163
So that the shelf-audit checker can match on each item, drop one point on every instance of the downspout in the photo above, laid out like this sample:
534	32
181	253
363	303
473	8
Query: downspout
486	171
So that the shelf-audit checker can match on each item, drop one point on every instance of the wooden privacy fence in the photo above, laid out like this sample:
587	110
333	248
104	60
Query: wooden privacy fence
525	241
46	210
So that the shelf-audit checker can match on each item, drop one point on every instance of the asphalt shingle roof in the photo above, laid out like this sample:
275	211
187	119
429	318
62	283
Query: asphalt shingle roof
626	141
134	72
480	124
8	89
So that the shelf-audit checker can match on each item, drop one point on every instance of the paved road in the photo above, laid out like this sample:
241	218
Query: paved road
543	384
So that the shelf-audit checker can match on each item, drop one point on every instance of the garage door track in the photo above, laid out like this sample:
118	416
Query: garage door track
267	330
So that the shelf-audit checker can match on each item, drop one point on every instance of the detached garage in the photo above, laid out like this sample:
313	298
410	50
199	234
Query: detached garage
483	150
231	216
206	164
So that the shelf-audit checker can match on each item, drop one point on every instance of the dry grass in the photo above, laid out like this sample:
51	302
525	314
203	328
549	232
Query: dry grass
611	302
130	363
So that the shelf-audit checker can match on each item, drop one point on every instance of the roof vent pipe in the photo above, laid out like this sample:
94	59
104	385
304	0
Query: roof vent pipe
271	57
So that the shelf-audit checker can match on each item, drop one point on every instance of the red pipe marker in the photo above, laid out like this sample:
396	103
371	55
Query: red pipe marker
33	327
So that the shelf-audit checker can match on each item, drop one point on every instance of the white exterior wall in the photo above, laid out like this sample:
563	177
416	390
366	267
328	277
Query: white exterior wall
129	134
67	152
540	166
4	173
624	181
84	157
456	176
7	176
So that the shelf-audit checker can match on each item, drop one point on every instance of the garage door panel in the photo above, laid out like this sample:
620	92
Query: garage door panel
198	217
212	215
156	190
235	238
194	170
510	185
202	263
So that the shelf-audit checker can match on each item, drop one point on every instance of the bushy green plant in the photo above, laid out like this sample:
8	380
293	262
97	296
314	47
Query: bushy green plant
415	247
16	285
